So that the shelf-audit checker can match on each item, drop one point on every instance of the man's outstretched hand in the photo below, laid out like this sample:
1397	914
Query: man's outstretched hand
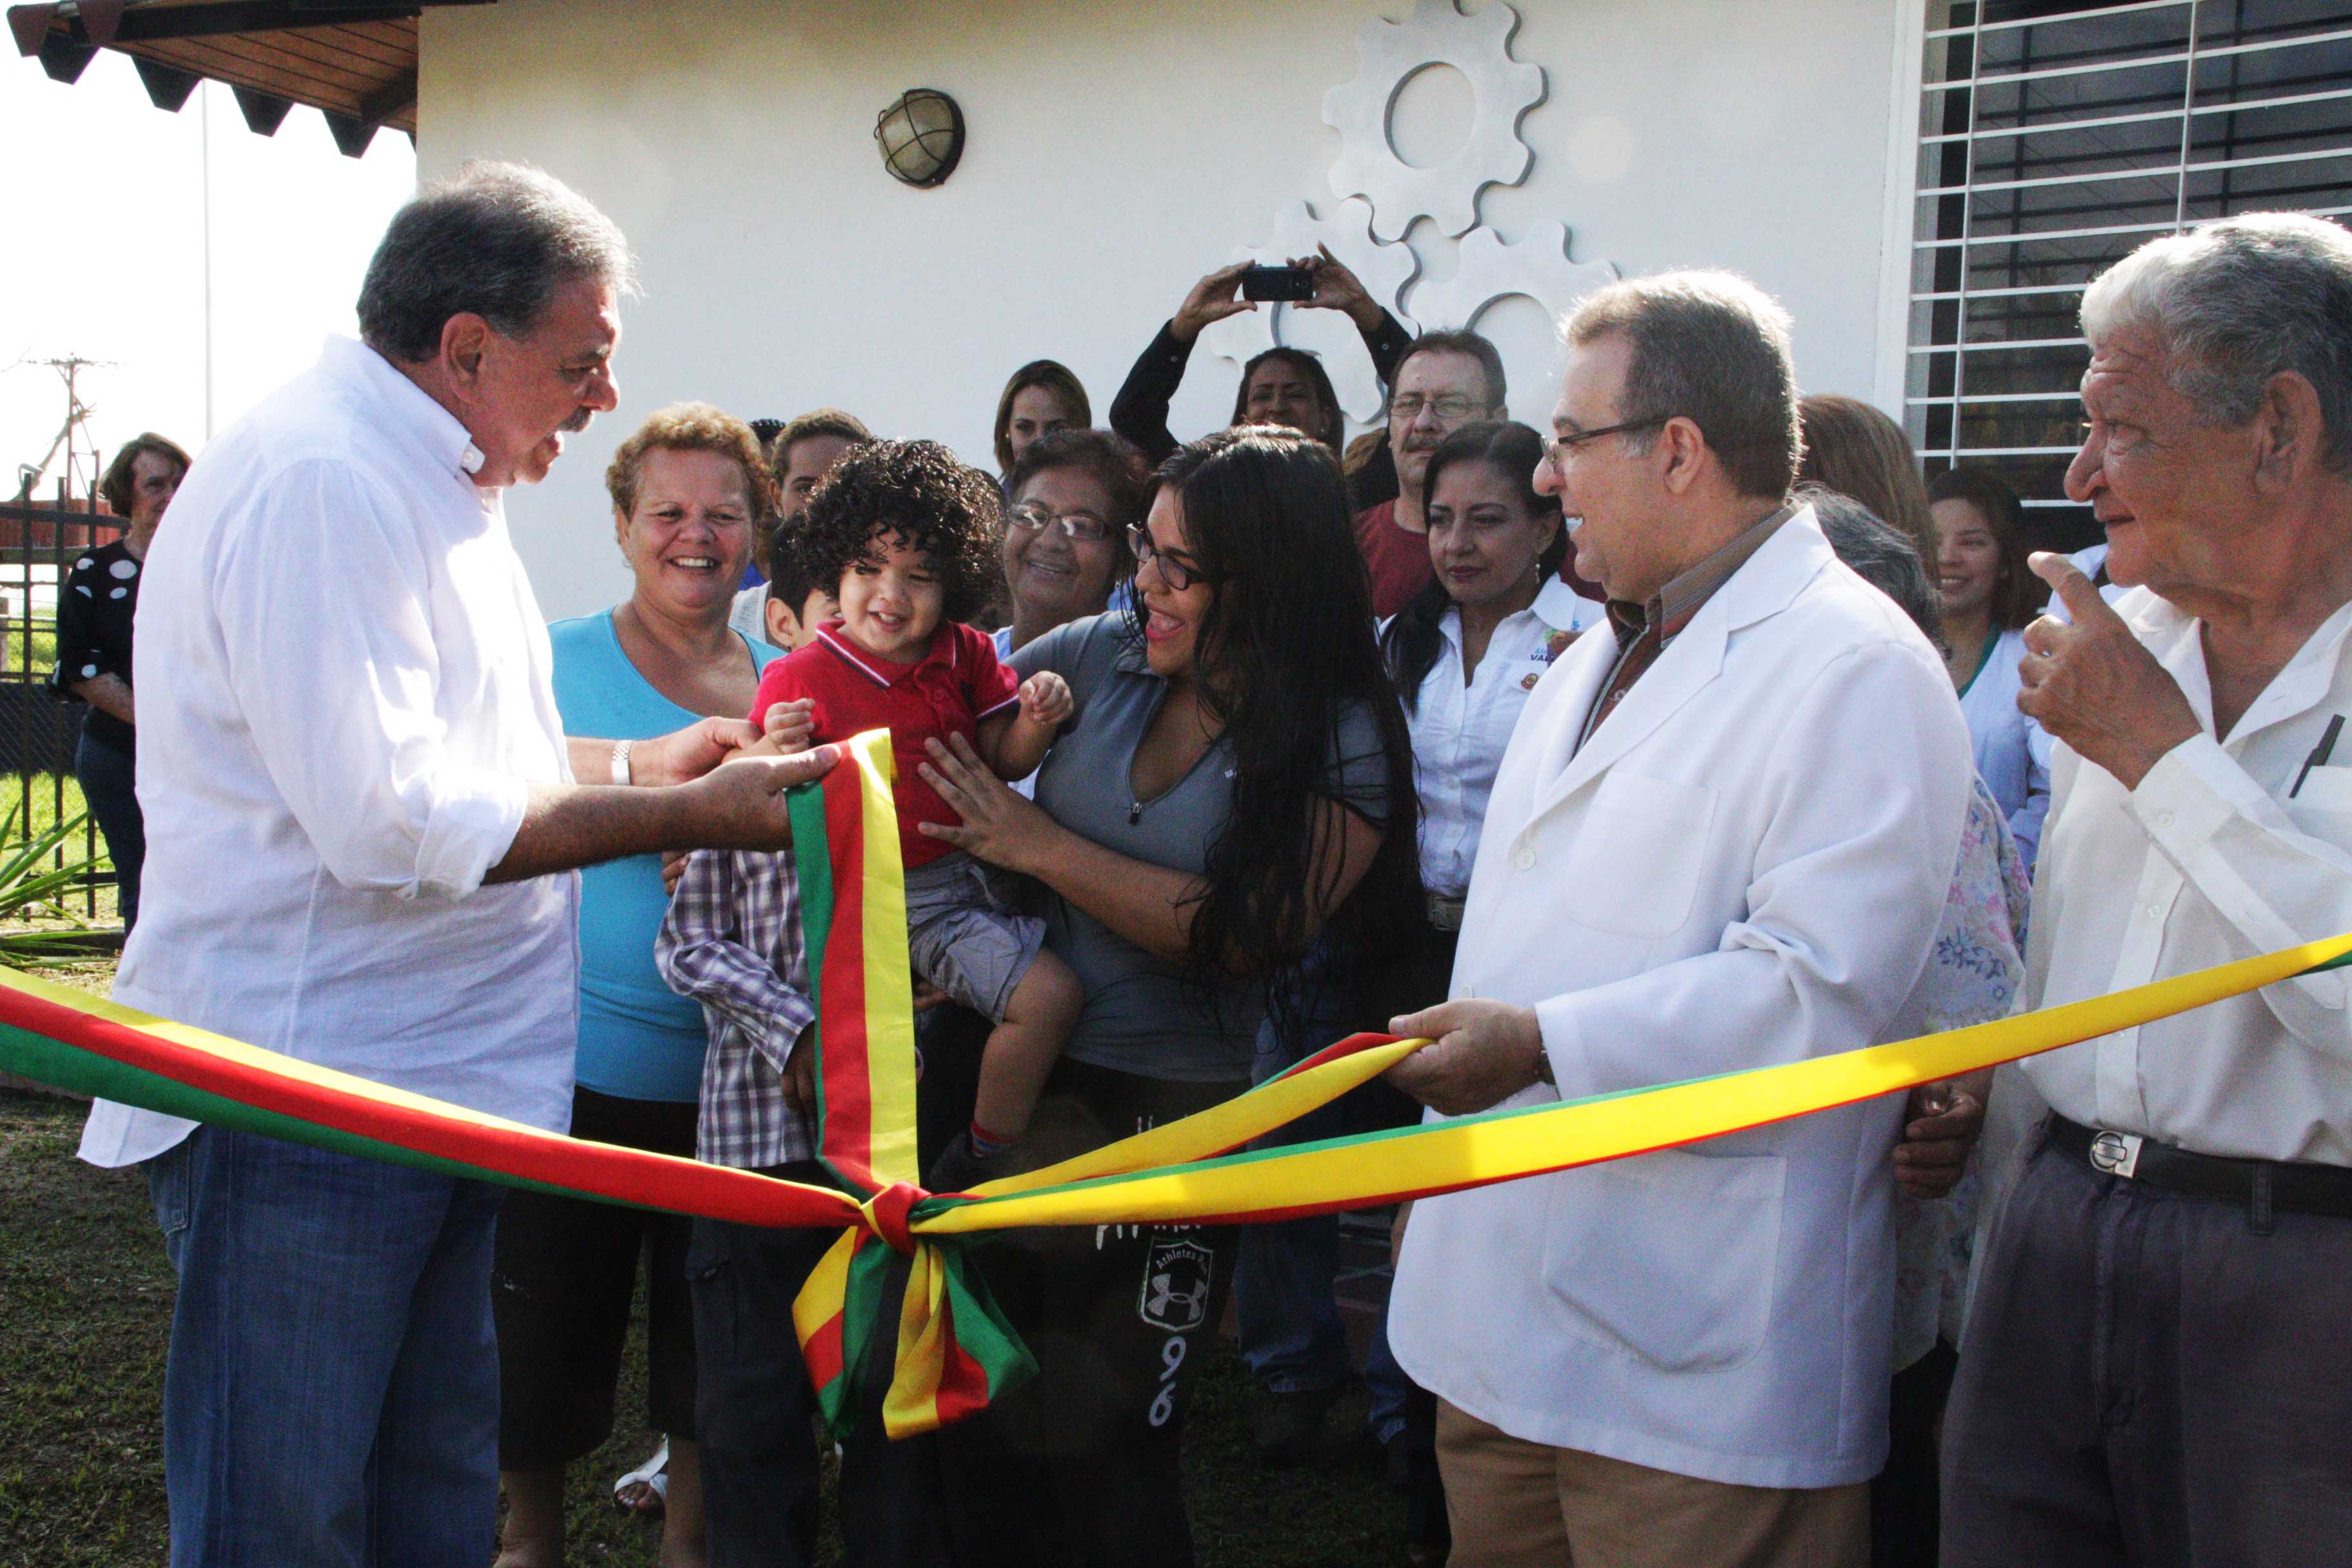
1480	1052
742	806
688	754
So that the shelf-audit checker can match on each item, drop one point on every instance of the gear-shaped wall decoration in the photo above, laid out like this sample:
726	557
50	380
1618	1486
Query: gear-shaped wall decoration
1383	270
1479	46
1538	267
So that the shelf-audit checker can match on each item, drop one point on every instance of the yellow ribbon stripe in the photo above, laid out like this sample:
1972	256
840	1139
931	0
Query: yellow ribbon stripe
889	1016
1218	1128
1502	1146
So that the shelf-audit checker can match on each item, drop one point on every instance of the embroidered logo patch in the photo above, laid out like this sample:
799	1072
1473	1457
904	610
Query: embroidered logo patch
1175	1295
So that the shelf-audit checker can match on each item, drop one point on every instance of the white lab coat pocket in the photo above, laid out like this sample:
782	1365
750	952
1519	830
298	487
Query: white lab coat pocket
1639	853
1670	1258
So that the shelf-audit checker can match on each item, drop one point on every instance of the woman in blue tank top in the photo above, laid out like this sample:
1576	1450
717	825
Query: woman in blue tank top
686	490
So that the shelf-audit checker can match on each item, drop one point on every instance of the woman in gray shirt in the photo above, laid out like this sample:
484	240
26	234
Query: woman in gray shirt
1237	778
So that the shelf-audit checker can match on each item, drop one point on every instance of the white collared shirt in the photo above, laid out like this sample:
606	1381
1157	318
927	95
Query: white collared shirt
1460	728
2207	861
344	695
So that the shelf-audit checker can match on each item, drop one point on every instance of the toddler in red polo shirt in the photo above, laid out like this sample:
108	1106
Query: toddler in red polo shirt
909	536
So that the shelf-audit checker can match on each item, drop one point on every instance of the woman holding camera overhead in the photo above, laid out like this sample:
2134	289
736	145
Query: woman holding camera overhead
1282	385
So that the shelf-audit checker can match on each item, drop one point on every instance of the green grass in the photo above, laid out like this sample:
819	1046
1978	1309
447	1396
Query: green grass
53	797
30	806
33	647
86	1301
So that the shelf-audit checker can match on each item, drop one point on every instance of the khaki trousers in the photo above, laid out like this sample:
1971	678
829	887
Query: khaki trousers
1516	1504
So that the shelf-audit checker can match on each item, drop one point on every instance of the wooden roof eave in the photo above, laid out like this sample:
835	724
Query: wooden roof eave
356	63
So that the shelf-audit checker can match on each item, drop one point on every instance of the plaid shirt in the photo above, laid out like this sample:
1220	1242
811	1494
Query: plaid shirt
732	942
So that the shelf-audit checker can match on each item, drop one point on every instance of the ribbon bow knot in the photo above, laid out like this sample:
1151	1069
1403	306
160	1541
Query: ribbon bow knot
886	1214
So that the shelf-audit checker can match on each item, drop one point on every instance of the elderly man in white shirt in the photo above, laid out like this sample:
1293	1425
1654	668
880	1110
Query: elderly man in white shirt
363	825
1721	838
2157	1368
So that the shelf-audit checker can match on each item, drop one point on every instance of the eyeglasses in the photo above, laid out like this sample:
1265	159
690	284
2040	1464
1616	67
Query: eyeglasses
1174	570
1084	527
1450	405
1559	447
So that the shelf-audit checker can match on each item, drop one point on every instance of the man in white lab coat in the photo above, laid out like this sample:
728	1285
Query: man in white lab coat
1720	839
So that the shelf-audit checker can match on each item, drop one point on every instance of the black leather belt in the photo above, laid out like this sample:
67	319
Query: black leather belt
2260	1186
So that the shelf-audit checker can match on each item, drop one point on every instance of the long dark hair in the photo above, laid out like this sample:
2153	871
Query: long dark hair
1287	654
1410	643
1309	364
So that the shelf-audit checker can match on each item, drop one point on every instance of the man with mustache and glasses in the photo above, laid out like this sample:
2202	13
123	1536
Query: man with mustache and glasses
366	825
1447	380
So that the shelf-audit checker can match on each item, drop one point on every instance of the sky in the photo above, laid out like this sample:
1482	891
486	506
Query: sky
115	190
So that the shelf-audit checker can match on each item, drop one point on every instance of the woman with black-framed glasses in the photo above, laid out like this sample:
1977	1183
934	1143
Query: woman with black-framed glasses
1238	780
1070	498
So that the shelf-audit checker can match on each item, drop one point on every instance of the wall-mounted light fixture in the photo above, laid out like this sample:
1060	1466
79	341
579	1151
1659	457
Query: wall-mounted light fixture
921	137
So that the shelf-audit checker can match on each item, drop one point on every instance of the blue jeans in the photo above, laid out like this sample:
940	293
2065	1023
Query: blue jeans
333	1392
1288	1317
105	772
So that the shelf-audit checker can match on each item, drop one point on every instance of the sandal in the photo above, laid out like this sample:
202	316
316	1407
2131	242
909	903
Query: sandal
645	1490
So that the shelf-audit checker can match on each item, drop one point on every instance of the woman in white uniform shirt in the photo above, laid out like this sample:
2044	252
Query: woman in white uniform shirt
1468	647
1988	598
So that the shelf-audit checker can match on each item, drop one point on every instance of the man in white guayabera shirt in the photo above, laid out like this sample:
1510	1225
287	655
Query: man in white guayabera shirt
2155	1368
365	823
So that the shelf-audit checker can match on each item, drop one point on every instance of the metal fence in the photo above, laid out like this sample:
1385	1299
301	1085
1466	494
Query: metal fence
38	544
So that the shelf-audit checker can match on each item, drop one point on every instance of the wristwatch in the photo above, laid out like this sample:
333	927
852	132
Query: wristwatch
1543	1063
621	762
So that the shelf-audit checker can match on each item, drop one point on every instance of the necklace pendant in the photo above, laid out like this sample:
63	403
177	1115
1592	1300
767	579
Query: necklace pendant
1134	812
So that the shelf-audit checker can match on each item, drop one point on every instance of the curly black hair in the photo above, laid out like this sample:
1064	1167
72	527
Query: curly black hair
913	492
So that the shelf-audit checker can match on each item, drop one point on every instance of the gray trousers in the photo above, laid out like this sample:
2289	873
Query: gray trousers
2148	1380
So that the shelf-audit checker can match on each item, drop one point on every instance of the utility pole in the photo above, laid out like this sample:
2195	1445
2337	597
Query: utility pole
73	438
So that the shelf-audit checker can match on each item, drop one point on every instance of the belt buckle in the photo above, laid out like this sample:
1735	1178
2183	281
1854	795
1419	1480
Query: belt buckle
2116	1153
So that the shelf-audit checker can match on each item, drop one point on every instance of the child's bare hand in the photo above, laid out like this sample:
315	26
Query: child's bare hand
799	1082
791	726
1046	700
673	869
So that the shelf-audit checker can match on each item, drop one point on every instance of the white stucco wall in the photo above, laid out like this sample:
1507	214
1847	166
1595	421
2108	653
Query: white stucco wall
1116	151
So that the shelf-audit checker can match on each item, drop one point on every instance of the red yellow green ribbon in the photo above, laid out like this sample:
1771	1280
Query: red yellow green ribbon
953	1351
